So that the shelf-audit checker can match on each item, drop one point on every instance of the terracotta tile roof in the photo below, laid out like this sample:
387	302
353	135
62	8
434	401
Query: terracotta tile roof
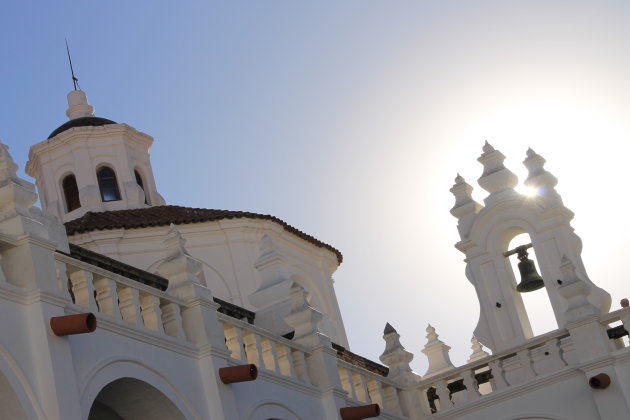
165	215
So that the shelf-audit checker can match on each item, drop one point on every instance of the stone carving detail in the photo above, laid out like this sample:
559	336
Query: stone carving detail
437	353
397	358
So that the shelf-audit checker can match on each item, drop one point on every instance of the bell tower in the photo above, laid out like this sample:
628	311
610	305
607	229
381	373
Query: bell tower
486	232
92	164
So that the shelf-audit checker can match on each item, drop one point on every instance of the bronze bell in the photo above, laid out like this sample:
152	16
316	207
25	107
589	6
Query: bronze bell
530	279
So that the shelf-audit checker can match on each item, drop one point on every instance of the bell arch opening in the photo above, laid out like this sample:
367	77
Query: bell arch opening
129	398
537	303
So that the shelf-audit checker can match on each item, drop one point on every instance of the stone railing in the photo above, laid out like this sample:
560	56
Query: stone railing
271	353
368	387
544	355
104	292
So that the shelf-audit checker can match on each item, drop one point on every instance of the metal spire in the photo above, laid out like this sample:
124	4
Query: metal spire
75	81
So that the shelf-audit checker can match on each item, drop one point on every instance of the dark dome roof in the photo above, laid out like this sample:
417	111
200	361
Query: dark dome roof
81	122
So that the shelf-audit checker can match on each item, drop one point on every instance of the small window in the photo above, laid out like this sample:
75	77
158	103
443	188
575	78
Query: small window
107	184
71	193
141	184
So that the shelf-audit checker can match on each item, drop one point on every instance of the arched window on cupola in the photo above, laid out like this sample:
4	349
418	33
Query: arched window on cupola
71	193
141	184
107	184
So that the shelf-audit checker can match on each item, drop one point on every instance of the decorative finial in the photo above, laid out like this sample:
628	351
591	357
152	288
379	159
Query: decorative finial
388	329
8	168
175	242
496	178
397	358
431	334
487	147
478	352
437	353
465	208
540	179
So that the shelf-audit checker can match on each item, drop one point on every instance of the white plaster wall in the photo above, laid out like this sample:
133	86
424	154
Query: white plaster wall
229	250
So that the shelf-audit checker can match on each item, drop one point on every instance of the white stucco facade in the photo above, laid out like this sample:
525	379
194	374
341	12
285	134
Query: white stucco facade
175	301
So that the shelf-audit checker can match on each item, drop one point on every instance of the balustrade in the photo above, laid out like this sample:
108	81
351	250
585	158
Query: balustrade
250	344
368	388
543	356
120	299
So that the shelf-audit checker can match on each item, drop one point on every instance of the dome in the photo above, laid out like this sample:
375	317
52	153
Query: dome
81	122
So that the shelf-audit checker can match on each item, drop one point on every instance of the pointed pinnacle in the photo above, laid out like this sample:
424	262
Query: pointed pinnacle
389	329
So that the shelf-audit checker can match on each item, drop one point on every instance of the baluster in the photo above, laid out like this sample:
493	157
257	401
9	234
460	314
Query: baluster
299	362
360	387
625	319
553	348
444	394
284	361
424	401
234	341
3	279
172	320
61	272
269	355
129	304
472	392
375	392
390	399
106	296
346	381
498	381
252	348
151	312
83	289
526	365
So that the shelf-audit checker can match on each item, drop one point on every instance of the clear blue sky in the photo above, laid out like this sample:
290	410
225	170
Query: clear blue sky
349	120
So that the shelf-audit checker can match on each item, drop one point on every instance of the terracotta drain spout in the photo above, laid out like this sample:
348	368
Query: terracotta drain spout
601	381
360	412
240	373
73	324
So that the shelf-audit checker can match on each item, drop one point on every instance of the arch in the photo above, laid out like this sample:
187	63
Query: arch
140	182
108	184
128	388
272	410
70	192
214	280
533	417
17	399
130	398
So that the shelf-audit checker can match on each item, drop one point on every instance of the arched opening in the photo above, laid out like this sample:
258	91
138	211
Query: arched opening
129	398
9	401
141	185
537	304
272	411
71	193
108	184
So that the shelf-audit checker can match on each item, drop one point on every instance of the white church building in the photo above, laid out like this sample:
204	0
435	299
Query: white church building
115	305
